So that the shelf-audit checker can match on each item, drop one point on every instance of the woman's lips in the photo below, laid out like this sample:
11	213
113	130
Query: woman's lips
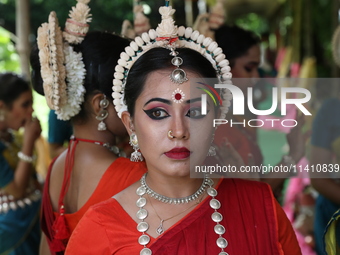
178	153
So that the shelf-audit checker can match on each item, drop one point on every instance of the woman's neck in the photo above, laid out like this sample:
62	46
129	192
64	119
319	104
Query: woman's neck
92	134
173	186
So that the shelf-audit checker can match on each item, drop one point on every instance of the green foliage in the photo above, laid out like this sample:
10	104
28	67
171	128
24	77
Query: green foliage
9	59
107	15
253	22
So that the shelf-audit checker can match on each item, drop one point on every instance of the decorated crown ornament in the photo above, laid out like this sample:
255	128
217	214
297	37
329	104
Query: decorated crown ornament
168	35
62	69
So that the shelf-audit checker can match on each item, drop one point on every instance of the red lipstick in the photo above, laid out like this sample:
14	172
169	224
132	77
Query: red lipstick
178	153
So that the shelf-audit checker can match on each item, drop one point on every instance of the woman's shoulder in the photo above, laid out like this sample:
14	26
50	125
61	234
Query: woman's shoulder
57	167
106	206
125	172
128	164
108	213
55	173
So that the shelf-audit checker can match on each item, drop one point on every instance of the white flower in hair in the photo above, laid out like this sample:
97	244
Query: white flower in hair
62	69
76	26
167	27
75	75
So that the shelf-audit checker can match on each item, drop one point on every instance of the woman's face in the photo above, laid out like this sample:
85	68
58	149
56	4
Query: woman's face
20	112
246	66
156	112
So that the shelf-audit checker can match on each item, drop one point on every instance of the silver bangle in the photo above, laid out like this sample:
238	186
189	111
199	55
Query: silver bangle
25	158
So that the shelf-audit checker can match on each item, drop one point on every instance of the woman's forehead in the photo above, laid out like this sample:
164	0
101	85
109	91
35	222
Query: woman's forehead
158	84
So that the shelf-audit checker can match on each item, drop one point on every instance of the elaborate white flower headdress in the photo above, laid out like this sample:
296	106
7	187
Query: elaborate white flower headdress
168	35
62	69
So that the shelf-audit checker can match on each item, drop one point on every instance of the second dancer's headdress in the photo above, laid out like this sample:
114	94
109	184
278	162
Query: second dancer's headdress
62	69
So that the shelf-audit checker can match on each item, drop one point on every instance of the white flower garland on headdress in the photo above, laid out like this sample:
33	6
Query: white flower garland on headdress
52	62
62	69
75	76
169	36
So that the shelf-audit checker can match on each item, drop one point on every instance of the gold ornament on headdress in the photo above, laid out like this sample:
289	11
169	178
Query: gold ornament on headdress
62	69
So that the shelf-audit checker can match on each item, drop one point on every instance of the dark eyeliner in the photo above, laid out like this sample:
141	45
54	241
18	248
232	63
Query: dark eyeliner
151	112
200	116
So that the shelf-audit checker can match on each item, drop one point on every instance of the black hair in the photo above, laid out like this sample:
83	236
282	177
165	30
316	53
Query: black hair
235	41
36	79
157	59
11	87
100	52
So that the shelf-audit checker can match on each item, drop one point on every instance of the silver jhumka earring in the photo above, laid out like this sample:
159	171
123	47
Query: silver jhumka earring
104	103
136	155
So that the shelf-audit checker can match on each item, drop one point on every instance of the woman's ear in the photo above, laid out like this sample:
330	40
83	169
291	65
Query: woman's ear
127	121
95	103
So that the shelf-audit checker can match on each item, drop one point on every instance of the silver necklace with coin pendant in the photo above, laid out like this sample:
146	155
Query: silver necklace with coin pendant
142	213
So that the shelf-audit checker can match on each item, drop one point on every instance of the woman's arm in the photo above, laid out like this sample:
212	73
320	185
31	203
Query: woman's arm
18	186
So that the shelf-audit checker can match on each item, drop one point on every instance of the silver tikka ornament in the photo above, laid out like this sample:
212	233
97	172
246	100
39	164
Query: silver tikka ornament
142	213
178	75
